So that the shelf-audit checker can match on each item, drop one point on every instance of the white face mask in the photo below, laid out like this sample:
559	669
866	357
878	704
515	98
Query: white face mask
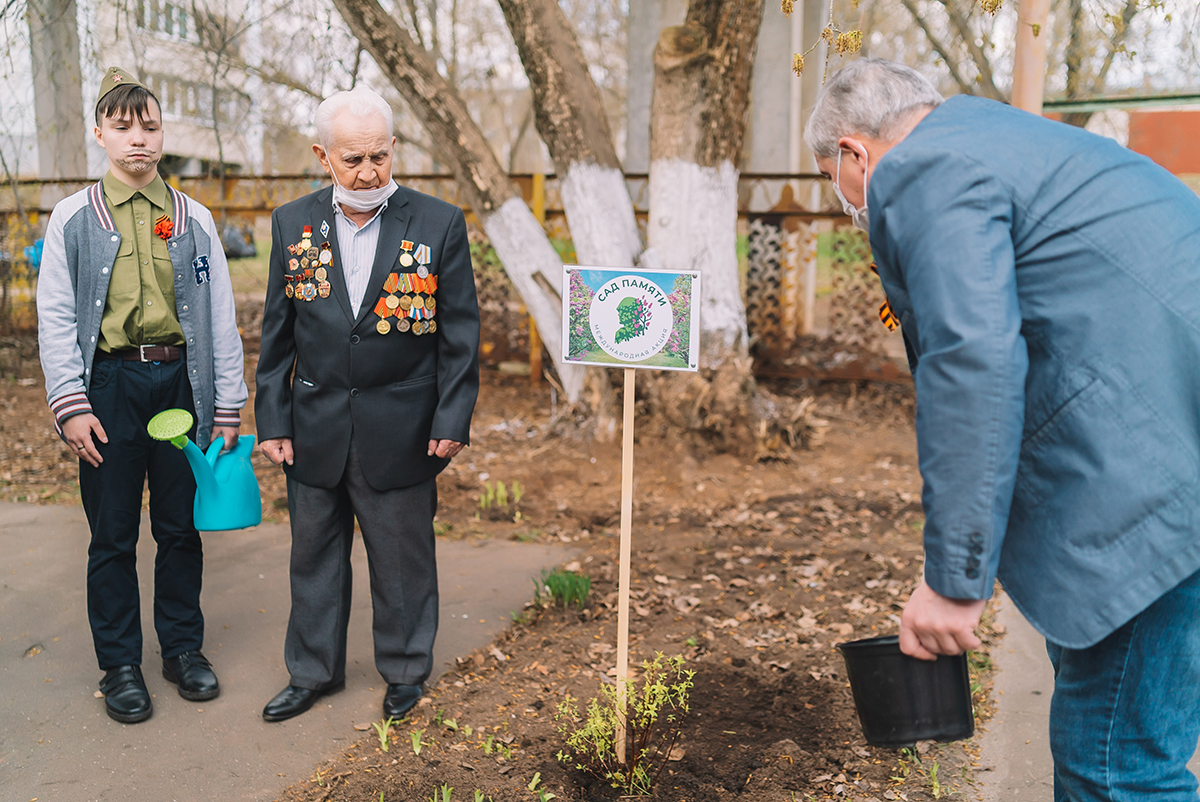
362	200
858	217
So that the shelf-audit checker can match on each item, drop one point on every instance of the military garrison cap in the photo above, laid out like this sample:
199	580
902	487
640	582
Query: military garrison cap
117	77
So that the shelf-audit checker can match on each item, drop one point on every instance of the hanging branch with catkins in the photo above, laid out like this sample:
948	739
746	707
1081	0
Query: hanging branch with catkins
844	42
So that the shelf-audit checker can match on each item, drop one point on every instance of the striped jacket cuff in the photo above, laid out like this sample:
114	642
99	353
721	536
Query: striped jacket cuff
227	417
68	406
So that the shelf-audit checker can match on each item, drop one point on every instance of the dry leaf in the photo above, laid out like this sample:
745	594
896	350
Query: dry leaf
677	753
362	727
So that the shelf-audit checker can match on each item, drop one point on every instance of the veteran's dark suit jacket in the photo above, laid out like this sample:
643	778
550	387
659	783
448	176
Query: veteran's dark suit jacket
325	376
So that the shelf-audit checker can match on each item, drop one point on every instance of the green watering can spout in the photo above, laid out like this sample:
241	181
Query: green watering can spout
227	494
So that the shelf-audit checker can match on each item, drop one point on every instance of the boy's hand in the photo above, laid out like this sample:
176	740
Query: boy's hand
78	431
278	450
227	433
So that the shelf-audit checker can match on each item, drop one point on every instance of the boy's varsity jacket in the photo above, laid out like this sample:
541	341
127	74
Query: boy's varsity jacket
80	248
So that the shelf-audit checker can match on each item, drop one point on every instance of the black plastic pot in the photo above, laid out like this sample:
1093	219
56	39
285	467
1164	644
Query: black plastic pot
902	700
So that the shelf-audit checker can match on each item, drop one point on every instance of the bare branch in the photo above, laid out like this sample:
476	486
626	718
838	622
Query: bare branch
947	57
963	27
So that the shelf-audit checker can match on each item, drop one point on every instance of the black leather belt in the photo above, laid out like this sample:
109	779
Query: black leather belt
145	353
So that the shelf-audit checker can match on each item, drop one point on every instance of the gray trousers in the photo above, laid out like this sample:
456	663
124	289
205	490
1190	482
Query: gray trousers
397	530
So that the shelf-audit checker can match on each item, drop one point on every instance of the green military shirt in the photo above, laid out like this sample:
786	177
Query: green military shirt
140	309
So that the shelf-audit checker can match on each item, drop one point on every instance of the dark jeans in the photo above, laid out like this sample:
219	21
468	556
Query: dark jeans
1125	716
124	396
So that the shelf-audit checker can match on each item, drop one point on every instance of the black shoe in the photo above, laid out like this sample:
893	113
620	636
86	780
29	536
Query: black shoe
125	696
293	700
400	698
192	672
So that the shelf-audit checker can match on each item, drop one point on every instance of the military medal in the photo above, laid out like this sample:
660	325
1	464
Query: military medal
391	301
306	237
288	291
405	302
383	327
406	258
321	274
293	264
308	291
422	254
432	326
418	327
323	289
312	253
402	324
326	256
430	304
423	271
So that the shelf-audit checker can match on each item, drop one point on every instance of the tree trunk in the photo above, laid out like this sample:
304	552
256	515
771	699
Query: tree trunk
520	242
573	124
701	95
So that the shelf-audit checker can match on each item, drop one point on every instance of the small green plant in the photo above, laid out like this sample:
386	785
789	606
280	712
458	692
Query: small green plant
563	588
653	715
542	794
498	503
446	791
691	642
487	745
384	730
450	724
935	787
415	737
437	717
479	796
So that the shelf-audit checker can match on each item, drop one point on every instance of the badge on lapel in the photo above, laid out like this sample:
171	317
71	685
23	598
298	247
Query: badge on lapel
200	266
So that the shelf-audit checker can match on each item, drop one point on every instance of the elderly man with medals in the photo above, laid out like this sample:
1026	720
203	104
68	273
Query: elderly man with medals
367	381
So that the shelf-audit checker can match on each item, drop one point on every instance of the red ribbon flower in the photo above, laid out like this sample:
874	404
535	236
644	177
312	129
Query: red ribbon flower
163	227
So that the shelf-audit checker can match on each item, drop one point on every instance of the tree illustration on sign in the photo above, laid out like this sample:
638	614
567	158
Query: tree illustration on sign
634	314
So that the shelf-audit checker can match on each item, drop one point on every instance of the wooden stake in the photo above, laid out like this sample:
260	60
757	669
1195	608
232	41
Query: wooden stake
1029	58
626	554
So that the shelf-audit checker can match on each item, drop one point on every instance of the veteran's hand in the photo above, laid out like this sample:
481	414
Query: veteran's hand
227	433
444	448
78	431
933	624
278	450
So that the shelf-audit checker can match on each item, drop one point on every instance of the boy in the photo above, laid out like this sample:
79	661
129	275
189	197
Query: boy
135	316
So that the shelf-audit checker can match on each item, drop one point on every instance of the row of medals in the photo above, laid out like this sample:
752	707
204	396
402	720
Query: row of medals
405	307
314	264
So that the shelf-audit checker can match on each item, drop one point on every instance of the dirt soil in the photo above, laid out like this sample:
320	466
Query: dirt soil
753	571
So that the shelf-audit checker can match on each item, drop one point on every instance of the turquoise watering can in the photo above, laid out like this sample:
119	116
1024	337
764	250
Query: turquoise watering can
227	495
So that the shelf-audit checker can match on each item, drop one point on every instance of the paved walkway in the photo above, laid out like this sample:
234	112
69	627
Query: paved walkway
57	744
1016	746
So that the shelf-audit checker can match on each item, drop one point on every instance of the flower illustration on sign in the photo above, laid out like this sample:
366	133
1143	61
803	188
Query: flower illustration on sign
634	315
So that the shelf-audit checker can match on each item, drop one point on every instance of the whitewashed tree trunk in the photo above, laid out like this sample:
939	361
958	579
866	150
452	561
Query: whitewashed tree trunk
522	246
600	214
572	122
693	226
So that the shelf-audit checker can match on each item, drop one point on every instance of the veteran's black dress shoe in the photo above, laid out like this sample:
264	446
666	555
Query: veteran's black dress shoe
293	700
192	672
125	696
400	698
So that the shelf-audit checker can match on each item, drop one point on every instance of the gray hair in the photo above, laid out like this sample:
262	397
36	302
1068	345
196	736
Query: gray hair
870	97
360	101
